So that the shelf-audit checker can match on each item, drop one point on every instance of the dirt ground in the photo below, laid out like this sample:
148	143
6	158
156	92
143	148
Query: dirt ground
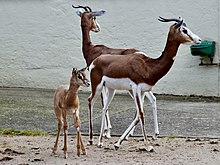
31	150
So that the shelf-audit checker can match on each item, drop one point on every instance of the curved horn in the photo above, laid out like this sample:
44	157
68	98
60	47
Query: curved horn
179	23
84	7
169	20
90	10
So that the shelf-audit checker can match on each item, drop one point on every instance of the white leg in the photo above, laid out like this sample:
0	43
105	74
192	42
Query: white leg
138	99
104	93
107	100
152	100
139	104
108	126
131	133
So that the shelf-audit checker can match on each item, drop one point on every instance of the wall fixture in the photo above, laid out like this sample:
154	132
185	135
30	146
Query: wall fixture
204	49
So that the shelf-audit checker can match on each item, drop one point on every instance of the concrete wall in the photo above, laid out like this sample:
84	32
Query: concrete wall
40	40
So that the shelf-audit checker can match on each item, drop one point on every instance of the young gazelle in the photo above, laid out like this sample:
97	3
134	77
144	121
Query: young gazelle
66	102
138	73
91	51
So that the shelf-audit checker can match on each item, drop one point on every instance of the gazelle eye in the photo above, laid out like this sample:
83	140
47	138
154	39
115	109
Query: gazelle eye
79	77
185	31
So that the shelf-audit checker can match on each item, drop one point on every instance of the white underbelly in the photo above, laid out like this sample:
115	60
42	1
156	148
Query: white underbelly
117	83
124	84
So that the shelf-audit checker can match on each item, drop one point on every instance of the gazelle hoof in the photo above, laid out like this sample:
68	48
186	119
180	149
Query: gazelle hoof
154	137
90	142
54	149
100	145
65	156
150	149
116	147
78	154
107	136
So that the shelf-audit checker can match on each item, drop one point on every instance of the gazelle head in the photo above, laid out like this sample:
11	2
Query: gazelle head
180	33
88	17
79	77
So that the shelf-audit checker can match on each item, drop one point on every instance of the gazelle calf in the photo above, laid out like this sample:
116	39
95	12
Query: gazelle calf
66	102
138	73
91	51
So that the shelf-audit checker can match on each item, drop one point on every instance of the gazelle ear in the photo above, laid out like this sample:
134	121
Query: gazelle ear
79	12
98	13
74	71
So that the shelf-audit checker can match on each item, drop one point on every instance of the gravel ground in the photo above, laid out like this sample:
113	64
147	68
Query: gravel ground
31	150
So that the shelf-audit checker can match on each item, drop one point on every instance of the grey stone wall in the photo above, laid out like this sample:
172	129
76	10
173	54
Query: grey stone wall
40	40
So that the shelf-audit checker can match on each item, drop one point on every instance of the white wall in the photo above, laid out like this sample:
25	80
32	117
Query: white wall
40	40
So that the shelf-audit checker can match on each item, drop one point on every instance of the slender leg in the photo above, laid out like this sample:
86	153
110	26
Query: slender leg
58	135
107	100
82	145
107	121
58	112
139	100
65	127
108	126
78	145
77	126
121	139
152	100
139	106
131	133
90	121
102	101
92	98
132	125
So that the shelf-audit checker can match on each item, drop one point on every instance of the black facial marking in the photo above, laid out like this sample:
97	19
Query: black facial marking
79	77
185	31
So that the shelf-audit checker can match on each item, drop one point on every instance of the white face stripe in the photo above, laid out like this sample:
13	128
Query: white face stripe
97	29
194	37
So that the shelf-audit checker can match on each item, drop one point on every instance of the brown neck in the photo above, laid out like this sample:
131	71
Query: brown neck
86	42
73	88
165	61
72	93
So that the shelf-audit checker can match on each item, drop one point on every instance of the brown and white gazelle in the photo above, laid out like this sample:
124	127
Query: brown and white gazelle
66	102
138	73
91	51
